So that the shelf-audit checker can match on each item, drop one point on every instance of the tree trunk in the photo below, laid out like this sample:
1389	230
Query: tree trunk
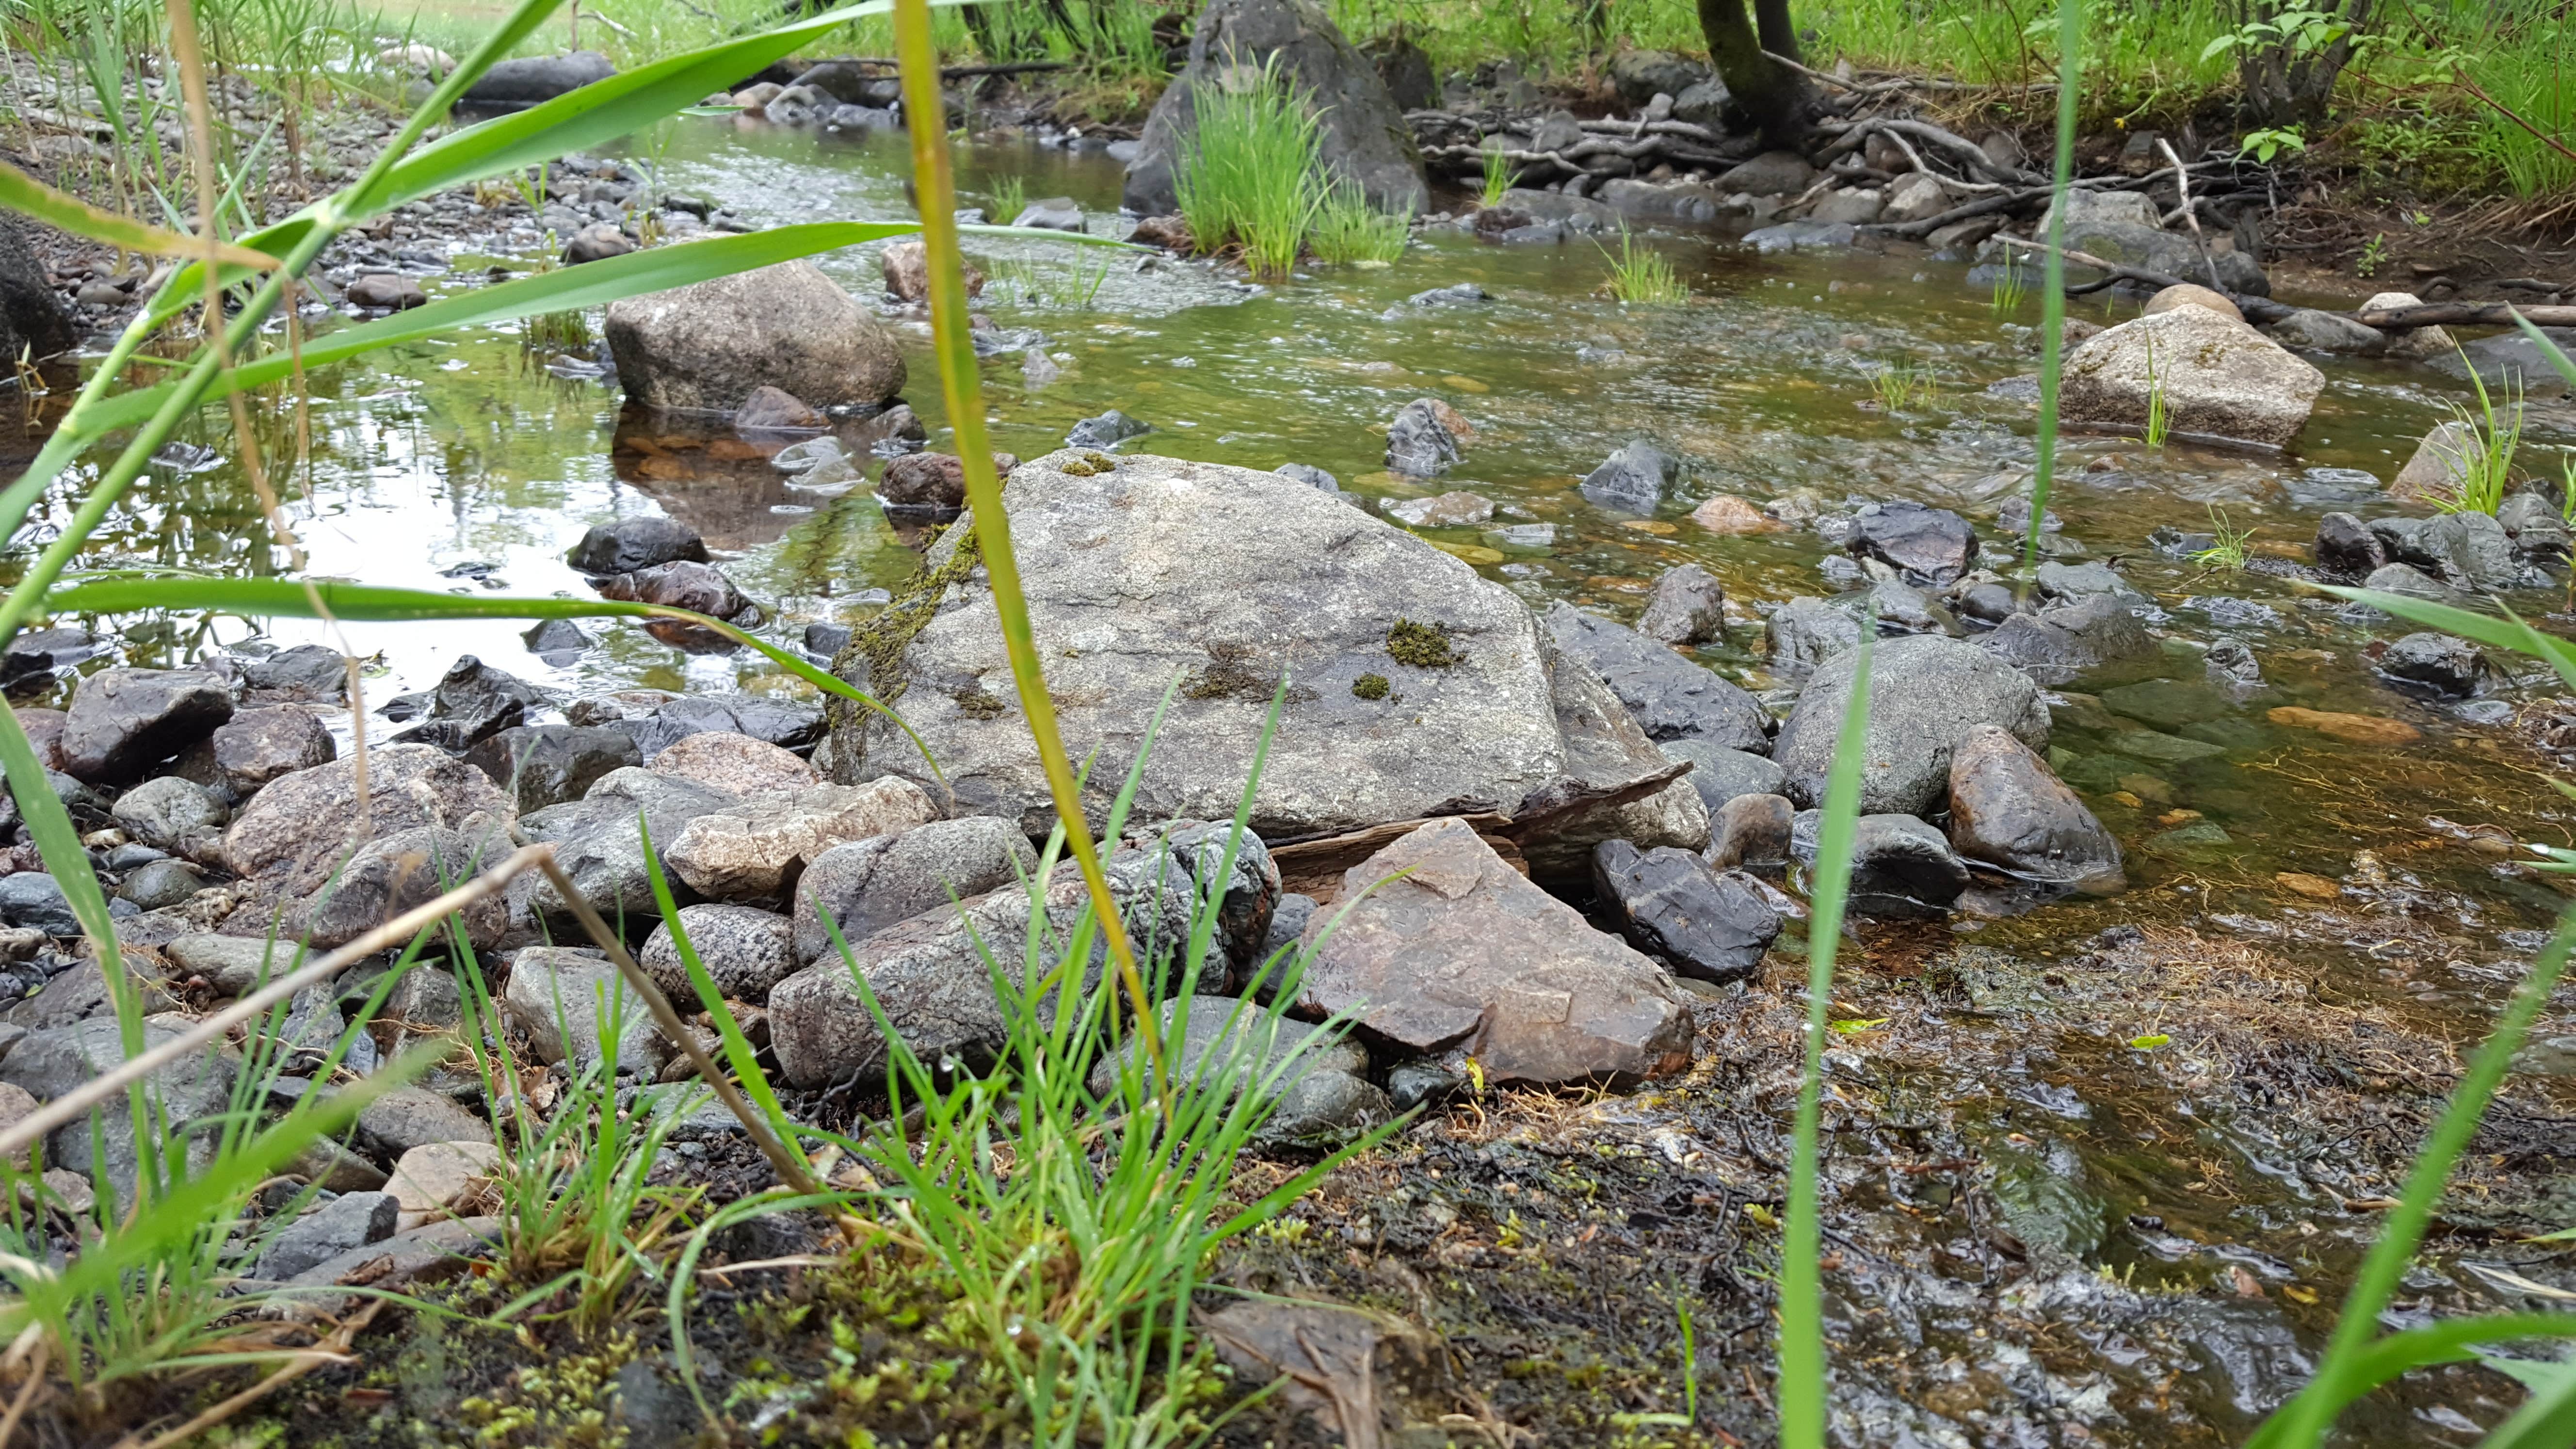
1776	97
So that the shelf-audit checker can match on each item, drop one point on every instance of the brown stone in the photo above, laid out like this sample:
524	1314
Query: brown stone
2188	295
933	480
2357	729
735	763
907	273
1452	948
2316	887
1726	513
772	409
2008	811
260	745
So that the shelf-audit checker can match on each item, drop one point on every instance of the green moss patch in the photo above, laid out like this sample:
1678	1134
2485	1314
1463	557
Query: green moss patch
1370	686
1423	646
873	659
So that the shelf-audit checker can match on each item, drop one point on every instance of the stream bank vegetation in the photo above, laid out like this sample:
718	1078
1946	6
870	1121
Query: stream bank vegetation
1004	1255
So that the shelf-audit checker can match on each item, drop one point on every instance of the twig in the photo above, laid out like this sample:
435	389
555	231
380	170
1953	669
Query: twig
2182	186
395	932
2434	314
791	1168
2253	307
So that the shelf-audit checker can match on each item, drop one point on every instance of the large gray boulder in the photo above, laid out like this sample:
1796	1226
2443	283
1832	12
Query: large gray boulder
1416	687
933	978
1926	693
1456	949
2218	377
708	346
1361	135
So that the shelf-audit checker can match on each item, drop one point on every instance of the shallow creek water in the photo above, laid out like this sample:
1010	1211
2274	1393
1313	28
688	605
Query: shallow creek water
466	451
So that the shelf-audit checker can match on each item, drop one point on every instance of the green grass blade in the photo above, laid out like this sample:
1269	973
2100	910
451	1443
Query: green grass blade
2052	301
2557	358
738	1049
2508	632
936	189
2342	1374
2547	1419
1802	1329
24	193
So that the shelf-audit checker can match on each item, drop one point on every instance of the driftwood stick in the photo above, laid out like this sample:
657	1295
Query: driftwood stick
2182	188
2464	314
2254	308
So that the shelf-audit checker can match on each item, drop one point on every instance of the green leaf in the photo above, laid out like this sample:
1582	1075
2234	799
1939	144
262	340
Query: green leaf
1854	1028
2150	1041
24	193
2215	47
320	598
565	289
2557	358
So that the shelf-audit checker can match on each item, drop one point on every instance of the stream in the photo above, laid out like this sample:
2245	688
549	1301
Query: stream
2154	1108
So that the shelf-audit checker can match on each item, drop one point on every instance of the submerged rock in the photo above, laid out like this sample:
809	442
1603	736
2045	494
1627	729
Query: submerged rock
2345	547
1426	437
1633	479
709	345
1458	948
1902	868
2064	642
1926	694
2441	665
1106	431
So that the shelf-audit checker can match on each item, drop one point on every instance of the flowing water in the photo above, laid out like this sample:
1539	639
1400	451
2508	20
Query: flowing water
466	464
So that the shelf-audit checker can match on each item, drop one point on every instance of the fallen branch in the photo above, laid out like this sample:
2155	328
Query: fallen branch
2182	186
2254	308
2463	314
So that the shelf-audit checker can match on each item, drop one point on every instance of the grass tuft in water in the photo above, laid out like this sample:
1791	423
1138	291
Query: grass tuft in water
1496	180
1643	277
1008	197
2230	551
2488	437
1246	184
1900	385
1349	231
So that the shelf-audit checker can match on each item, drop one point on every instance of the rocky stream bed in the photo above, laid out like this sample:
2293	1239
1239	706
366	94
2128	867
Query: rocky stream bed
2184	885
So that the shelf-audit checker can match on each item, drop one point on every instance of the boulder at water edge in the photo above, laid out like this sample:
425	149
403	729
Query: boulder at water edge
2218	378
708	346
1457	950
2123	227
1361	137
1926	693
515	84
2009	812
1416	687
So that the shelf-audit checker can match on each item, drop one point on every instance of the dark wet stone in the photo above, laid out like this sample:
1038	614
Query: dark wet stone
556	637
2461	549
1633	479
1805	632
1720	773
2234	613
2064	642
125	721
386	292
260	745
2345	546
1671	697
1751	830
788	723
2008	811
157	884
633	544
472	703
1988	604
513	84
1107	430
400	872
34	899
1688	606
869	885
1673	906
2399	578
1426	436
1901	867
42	651
2536	525
543	765
1900	608
696	587
934	481
825	639
1929	547
2441	665
174	814
306	672
1455	295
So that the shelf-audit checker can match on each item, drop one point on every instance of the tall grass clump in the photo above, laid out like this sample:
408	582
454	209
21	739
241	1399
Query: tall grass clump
1245	182
1348	230
2485	439
1641	276
1494	179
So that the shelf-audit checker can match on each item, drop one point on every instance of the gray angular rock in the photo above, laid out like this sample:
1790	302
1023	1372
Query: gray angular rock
34	899
125	721
472	702
1053	213
407	1117
542	765
1928	547
326	1230
563	996
788	723
1361	135
1675	907
2217	377
931	978
1633	479
50	1062
1926	694
2463	549
1688	606
260	745
1720	774
1902	868
2538	529
2121	227
400	872
294	833
1227	577
598	845
1671	697
1457	948
1106	431
1637	75
708	345
745	950
305	672
631	544
753	850
1425	438
2328	332
2398	578
2009	811
172	814
1805	632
